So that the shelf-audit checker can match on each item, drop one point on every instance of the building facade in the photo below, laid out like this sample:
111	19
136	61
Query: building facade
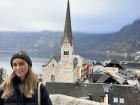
65	68
61	69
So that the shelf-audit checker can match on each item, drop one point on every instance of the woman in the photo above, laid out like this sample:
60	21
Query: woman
20	87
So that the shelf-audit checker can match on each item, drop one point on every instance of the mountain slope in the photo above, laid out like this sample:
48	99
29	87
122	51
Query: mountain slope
47	43
126	40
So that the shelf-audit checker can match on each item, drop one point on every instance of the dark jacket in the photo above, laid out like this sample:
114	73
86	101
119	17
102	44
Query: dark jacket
18	98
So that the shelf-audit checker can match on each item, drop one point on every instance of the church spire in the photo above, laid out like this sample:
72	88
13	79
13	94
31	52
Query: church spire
68	29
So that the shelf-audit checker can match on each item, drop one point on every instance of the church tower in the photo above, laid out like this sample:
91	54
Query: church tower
67	48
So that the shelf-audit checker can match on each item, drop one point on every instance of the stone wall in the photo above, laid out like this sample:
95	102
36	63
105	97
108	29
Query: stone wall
78	90
58	99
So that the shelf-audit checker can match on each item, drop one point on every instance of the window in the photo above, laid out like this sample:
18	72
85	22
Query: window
52	65
52	78
66	53
122	100
115	100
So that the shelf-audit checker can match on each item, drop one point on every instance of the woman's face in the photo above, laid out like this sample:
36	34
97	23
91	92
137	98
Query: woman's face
20	67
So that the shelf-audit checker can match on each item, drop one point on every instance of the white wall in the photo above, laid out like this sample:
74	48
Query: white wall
58	99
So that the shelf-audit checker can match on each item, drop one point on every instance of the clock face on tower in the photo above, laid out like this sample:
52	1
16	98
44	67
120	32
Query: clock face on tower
65	45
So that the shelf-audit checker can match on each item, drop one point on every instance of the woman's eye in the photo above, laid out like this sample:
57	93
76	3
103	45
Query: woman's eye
14	64
21	64
18	64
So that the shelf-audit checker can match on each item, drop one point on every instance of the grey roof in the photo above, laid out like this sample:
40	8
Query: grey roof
130	94
114	65
105	78
57	58
97	76
119	80
67	29
134	65
77	90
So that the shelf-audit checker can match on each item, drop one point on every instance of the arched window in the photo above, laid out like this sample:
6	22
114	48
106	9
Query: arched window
52	78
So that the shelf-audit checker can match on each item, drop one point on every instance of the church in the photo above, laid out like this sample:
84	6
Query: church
67	67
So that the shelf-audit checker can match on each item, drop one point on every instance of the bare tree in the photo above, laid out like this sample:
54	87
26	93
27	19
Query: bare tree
2	74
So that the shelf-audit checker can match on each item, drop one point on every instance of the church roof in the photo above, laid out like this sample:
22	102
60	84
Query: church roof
57	58
67	30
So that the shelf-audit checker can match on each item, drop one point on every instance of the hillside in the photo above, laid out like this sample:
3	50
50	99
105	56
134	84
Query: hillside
126	40
47	43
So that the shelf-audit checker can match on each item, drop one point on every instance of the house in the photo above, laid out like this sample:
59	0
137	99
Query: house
131	69
113	67
105	78
98	68
124	95
84	70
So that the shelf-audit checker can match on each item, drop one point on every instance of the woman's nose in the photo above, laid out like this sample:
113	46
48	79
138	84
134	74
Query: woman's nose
18	67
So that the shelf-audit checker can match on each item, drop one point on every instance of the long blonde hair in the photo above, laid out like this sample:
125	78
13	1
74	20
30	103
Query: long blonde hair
28	87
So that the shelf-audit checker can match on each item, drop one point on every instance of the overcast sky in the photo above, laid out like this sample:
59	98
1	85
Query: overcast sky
93	16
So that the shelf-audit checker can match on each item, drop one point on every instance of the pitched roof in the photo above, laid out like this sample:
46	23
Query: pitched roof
114	65
104	78
134	65
57	59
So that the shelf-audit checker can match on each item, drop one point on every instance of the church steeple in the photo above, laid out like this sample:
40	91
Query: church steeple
67	28
67	49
